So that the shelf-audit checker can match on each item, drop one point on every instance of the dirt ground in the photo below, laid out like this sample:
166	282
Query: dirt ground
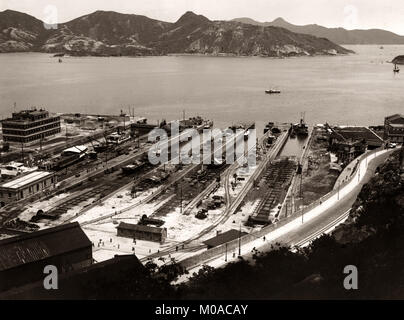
318	179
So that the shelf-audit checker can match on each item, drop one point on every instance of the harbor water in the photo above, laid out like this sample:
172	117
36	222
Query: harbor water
357	89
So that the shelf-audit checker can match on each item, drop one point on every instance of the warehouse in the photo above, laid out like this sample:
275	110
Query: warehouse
142	232
23	258
26	186
364	134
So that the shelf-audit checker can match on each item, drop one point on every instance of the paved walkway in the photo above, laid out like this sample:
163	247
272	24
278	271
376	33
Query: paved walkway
345	174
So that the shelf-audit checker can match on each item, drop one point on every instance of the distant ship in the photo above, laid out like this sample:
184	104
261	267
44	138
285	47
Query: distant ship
272	91
396	69
60	60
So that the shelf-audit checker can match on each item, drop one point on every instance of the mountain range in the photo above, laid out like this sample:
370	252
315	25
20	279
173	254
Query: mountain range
112	33
337	35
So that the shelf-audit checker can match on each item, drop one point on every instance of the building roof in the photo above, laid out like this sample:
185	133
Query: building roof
26	179
139	227
224	237
76	149
75	284
357	133
41	245
394	117
396	125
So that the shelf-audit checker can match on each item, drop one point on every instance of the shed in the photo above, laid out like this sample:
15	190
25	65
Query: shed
142	232
224	237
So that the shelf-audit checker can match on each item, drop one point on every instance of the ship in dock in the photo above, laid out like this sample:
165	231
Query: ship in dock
300	129
268	127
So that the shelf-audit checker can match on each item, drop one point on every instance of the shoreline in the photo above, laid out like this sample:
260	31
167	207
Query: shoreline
210	55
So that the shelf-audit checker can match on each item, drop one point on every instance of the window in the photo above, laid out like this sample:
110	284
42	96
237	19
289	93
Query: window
37	187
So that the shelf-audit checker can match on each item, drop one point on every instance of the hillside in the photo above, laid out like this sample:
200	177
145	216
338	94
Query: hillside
337	35
19	31
112	33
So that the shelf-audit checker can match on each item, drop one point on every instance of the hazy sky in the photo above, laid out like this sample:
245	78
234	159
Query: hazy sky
351	14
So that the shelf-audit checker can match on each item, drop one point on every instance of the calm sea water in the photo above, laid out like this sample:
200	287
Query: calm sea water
354	89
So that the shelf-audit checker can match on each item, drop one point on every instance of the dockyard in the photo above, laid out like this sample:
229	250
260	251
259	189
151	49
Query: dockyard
100	176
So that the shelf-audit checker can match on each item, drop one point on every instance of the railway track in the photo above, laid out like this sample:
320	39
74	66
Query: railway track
230	208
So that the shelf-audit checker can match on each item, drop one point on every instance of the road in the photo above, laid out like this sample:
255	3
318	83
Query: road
322	218
333	214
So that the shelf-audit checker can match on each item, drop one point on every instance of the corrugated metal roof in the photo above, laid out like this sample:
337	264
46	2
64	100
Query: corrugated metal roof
224	237
140	227
42	244
25	180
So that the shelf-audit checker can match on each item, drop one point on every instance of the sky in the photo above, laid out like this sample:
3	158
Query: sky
350	14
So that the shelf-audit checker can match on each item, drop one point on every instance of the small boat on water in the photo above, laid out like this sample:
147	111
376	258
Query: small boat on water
272	91
396	69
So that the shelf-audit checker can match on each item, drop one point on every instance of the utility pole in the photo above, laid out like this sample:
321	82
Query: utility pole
339	185
293	203
301	180
181	199
239	241
359	171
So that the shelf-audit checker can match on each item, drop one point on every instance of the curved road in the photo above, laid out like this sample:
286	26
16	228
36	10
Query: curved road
321	220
